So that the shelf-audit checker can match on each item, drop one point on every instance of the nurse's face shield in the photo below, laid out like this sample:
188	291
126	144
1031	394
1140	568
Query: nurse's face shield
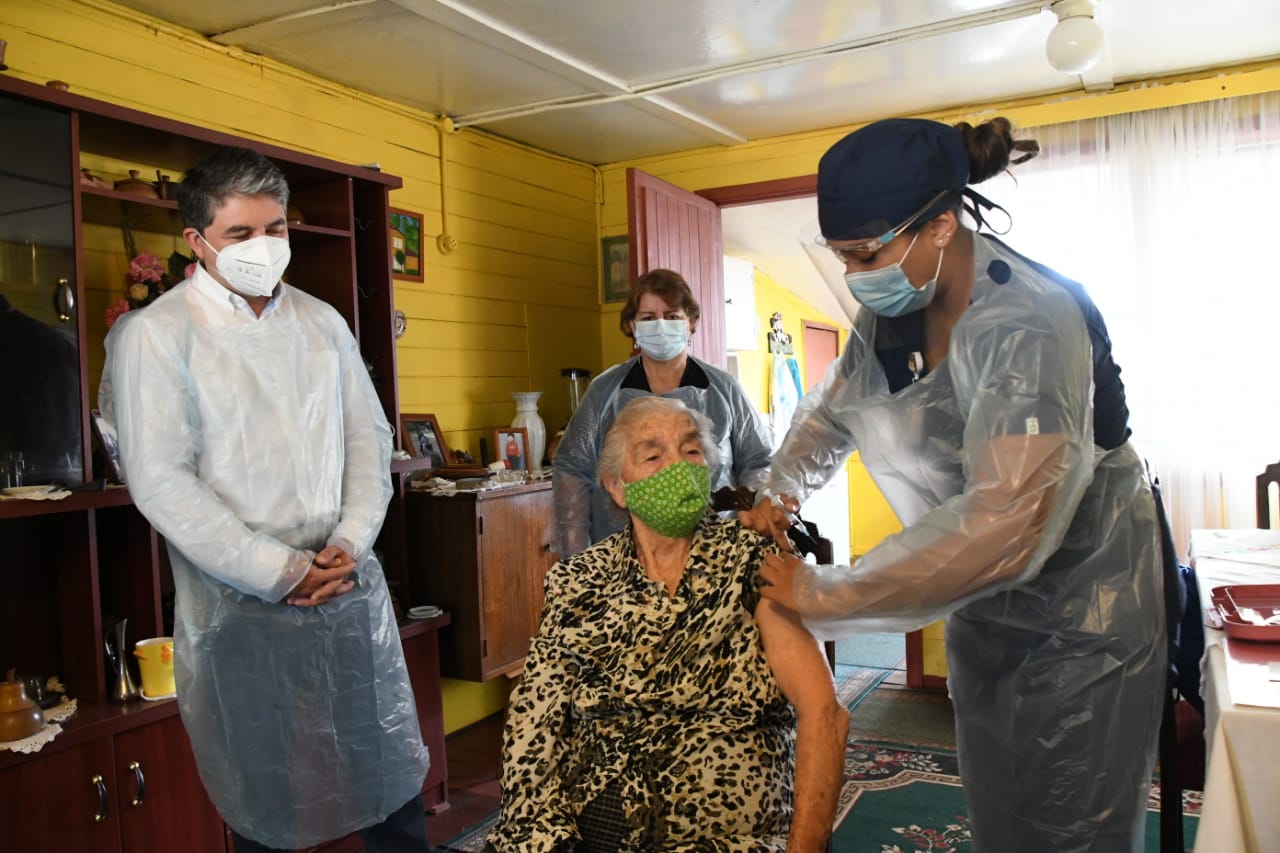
856	251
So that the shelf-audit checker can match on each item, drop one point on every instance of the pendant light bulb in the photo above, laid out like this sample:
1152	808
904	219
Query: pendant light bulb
1075	43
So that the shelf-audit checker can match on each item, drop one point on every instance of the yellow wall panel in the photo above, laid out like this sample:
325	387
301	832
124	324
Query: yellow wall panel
934	650
755	367
616	347
507	340
483	282
871	518
419	302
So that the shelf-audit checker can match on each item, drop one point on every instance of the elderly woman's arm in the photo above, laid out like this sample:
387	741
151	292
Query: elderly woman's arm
800	667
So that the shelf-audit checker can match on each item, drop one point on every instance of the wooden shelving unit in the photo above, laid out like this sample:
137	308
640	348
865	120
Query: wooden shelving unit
75	566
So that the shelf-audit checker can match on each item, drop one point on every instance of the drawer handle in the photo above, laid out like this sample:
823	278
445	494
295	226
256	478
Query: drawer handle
101	785
140	781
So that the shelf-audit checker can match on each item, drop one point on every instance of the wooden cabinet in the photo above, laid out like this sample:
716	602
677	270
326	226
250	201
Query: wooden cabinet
482	556
422	656
135	791
81	564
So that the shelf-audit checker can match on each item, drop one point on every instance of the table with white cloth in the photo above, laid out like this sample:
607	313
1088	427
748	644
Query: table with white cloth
1241	810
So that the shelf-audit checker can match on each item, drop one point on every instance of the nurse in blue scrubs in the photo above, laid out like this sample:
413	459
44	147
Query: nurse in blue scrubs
979	388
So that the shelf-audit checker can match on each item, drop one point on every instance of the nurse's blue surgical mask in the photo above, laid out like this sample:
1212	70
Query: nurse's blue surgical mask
887	291
662	340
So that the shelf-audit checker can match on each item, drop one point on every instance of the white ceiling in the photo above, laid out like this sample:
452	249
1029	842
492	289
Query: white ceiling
688	73
602	81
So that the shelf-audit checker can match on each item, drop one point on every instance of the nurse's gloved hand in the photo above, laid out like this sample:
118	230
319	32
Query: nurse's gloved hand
772	517
779	575
328	577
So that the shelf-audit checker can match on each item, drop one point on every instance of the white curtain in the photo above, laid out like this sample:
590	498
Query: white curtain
1169	218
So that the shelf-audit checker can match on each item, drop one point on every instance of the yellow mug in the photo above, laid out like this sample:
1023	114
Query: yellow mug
155	663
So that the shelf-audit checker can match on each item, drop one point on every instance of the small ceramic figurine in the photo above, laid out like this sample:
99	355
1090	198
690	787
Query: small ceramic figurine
779	340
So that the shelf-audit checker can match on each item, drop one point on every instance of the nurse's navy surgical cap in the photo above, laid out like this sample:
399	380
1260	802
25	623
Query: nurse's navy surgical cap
881	174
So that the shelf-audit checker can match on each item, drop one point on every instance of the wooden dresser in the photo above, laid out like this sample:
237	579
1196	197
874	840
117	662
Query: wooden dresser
482	556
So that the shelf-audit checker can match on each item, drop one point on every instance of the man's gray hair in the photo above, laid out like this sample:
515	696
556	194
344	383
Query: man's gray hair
619	437
227	172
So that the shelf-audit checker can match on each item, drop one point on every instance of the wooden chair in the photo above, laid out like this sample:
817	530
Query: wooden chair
1269	475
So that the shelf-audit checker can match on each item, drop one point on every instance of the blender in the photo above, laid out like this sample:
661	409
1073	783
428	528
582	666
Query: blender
576	380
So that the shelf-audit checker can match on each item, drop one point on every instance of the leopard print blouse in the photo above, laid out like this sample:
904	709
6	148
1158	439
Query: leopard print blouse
666	699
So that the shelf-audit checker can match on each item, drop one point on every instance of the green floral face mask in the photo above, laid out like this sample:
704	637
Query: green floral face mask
673	500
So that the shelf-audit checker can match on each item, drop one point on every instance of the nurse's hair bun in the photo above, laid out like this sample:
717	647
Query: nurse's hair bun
991	147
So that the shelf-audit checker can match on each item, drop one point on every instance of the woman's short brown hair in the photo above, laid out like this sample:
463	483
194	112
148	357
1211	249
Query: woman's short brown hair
670	287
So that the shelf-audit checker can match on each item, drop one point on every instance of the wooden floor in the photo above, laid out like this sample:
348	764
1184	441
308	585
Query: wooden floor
475	758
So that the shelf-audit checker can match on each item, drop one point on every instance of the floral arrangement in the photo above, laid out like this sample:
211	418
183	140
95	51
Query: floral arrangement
148	277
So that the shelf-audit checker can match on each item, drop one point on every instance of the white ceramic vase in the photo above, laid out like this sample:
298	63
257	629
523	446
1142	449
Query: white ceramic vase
527	416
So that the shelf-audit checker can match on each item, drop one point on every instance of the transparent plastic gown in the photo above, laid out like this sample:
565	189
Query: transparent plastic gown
250	445
1040	548
585	514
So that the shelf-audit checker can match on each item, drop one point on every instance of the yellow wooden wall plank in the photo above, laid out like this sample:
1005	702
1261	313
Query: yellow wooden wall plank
458	308
450	363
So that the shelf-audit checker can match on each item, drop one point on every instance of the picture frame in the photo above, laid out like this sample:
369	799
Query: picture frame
422	438
104	432
511	445
405	241
615	268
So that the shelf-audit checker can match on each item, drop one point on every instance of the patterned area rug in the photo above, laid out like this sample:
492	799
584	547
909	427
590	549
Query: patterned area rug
900	798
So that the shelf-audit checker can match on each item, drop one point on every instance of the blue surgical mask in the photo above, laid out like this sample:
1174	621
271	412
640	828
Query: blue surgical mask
662	340
887	292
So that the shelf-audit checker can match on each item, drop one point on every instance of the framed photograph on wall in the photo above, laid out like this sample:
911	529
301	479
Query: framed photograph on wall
406	245
615	266
511	446
422	438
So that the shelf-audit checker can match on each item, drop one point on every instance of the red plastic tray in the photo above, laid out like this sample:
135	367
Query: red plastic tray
1262	598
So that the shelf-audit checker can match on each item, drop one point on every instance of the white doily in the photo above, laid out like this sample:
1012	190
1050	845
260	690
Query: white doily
34	743
440	486
60	712
52	716
34	493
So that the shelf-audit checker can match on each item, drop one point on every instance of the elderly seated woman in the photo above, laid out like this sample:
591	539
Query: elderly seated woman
665	706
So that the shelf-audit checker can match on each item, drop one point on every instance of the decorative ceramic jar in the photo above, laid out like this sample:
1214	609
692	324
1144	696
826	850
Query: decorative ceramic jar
527	416
20	717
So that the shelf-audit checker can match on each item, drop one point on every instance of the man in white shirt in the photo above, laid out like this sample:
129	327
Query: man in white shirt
253	441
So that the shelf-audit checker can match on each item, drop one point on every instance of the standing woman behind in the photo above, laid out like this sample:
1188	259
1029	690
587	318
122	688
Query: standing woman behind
659	316
980	390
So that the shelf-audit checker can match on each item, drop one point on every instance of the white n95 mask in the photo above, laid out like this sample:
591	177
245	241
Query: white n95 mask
253	267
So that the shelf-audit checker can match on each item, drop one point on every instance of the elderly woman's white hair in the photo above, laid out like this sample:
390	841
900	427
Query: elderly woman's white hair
619	436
